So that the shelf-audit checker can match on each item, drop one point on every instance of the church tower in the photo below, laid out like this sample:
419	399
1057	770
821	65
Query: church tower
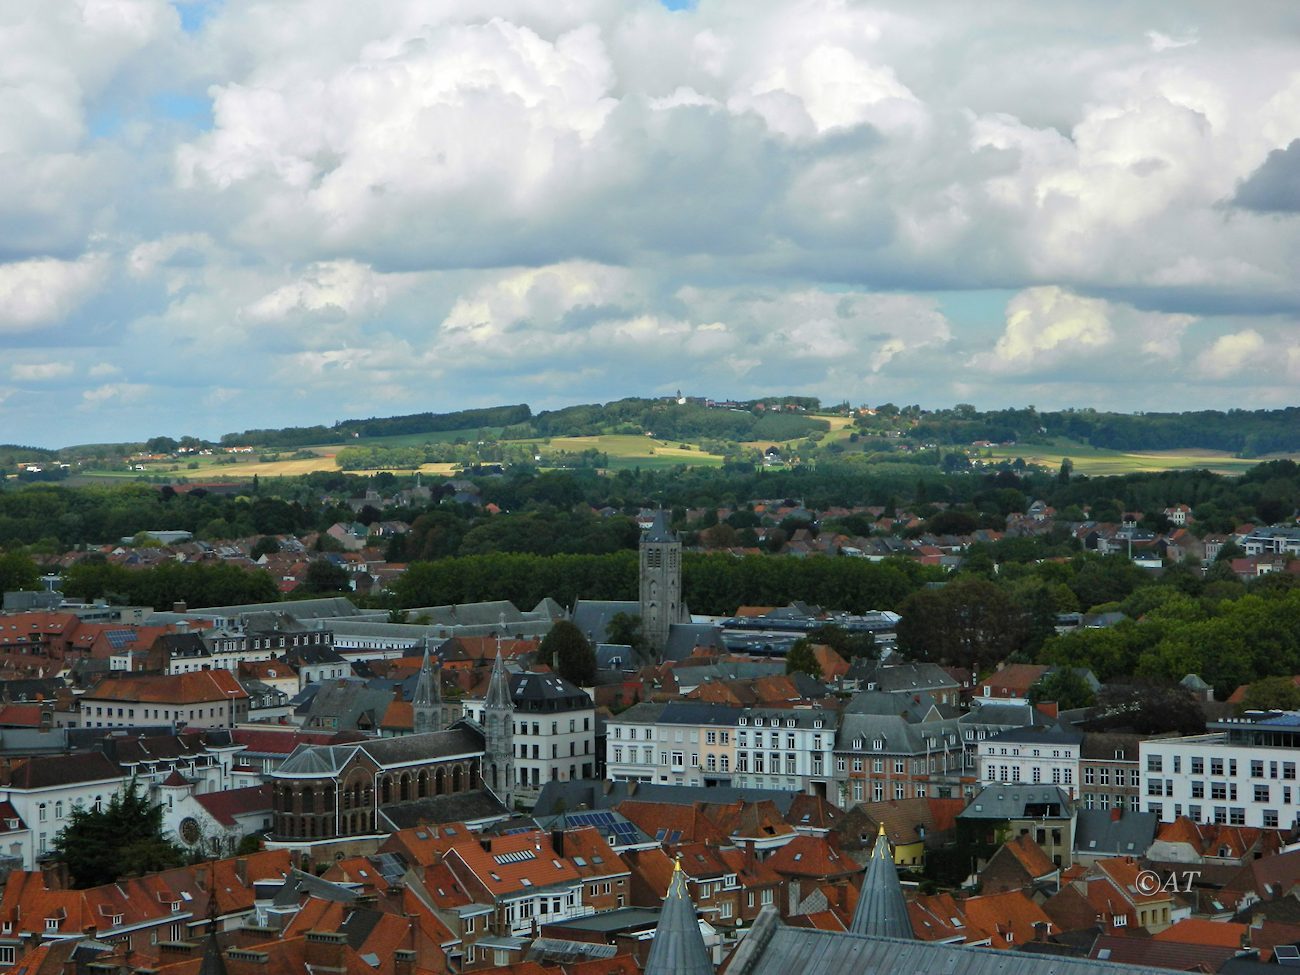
678	946
426	702
499	735
661	583
882	908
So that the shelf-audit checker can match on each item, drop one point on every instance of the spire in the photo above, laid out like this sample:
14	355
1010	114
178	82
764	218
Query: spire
498	695
882	909
659	530
426	702
678	947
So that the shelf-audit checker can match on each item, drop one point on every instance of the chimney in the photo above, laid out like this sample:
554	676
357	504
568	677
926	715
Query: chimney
557	841
403	961
1116	814
486	843
1049	708
1040	930
180	607
325	949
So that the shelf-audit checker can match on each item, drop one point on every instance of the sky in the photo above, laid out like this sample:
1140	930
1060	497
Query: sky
224	214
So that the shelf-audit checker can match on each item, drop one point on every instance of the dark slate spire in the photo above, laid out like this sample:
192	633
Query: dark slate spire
498	695
426	702
882	909
678	947
659	530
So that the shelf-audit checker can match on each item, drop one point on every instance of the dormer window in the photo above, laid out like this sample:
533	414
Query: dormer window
878	744
758	722
51	924
817	723
742	721
857	742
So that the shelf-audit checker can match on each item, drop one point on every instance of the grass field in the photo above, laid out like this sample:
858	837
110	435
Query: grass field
1094	460
626	451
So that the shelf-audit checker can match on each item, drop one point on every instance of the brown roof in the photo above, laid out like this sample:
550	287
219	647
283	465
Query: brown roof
197	687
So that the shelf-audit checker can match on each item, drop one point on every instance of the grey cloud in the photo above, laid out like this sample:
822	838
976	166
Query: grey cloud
1275	186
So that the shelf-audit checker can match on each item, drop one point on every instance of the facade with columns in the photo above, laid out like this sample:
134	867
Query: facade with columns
332	792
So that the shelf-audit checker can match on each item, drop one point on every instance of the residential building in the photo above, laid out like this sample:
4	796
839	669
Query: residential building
680	742
554	730
1045	813
41	792
1032	755
1109	771
203	699
786	748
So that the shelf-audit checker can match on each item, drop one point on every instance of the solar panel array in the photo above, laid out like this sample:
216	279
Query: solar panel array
623	831
117	639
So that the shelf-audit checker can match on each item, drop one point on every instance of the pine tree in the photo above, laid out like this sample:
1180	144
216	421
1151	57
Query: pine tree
123	837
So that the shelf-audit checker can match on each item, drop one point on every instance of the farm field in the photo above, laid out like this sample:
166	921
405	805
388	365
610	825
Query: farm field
1094	460
627	450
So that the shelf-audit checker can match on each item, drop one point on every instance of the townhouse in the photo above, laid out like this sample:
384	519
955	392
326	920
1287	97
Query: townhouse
786	748
528	882
1032	755
1241	772
680	743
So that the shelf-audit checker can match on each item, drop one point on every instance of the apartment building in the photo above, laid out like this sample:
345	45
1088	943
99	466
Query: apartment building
1241	772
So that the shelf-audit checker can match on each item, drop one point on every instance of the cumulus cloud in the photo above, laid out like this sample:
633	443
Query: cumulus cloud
1230	354
331	202
42	291
1048	327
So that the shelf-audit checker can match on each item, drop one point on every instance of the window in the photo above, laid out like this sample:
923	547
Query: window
726	761
1270	818
1261	793
1218	790
1198	790
1257	769
839	764
1288	770
1089	775
766	896
710	737
878	765
41	812
898	766
1216	766
1237	816
725	909
1155	763
857	790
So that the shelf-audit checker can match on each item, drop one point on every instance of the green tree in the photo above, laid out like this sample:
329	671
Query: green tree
266	545
1272	694
850	646
1066	686
970	623
324	576
566	642
18	572
625	629
801	660
121	838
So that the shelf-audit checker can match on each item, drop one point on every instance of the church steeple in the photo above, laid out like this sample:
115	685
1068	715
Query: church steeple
499	734
882	908
426	702
678	947
661	582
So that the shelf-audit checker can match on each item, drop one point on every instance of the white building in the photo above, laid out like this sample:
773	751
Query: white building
1242	772
42	792
678	743
1032	756
554	733
786	748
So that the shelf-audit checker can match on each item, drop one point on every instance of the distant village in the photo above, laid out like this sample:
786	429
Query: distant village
358	794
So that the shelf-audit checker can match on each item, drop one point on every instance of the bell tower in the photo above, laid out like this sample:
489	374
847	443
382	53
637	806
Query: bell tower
661	583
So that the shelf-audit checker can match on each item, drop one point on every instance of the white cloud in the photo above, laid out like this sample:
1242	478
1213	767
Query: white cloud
43	291
39	371
330	291
1230	354
1048	327
113	394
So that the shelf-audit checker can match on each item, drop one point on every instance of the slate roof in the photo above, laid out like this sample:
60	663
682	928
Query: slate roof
1096	831
1053	734
678	947
592	616
316	760
462	807
771	948
659	530
578	794
1012	802
882	908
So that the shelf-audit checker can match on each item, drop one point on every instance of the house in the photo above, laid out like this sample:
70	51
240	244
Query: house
1020	864
41	792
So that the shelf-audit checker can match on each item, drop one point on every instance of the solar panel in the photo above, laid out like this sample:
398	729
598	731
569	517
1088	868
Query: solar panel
117	639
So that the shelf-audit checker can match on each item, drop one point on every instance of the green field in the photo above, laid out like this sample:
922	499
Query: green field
1097	461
